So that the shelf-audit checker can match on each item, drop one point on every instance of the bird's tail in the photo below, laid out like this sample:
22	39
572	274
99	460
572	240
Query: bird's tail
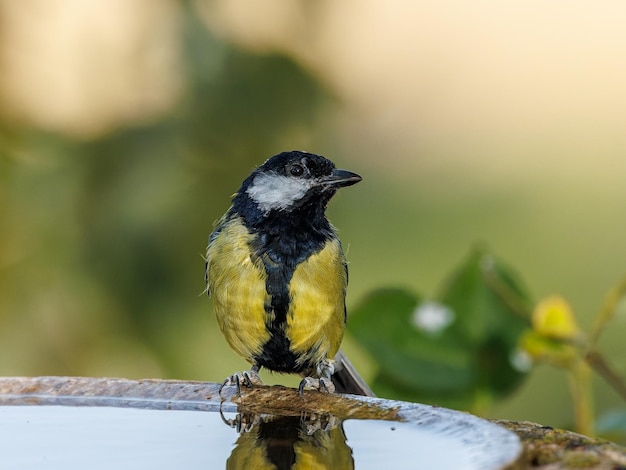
346	378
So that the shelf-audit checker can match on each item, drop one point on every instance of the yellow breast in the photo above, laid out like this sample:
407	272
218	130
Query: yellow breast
316	317
237	286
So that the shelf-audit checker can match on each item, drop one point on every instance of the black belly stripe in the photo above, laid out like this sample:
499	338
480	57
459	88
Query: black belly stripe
282	241
281	257
276	353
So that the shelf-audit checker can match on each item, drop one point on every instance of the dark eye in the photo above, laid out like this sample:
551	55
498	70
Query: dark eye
296	170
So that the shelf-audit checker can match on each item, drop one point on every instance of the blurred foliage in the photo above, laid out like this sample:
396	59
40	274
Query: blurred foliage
557	339
458	350
612	425
108	233
478	339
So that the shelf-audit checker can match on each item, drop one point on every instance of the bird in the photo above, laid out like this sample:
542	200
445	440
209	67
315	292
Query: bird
291	442
277	274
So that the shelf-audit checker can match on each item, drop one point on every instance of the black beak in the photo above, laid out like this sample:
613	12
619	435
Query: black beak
341	178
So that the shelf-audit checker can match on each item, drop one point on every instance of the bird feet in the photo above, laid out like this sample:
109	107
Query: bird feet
319	422
247	378
325	369
323	384
242	422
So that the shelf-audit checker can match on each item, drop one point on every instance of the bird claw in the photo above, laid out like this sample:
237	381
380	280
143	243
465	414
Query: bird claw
323	384
247	378
319	422
242	422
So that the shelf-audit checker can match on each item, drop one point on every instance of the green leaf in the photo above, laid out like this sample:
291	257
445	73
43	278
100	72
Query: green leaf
487	298
458	350
491	308
421	360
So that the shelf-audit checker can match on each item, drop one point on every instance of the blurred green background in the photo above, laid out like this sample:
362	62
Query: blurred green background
126	125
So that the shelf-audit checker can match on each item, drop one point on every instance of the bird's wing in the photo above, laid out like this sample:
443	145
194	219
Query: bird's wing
207	261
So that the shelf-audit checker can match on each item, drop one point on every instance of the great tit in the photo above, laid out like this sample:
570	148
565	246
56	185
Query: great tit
290	442
277	274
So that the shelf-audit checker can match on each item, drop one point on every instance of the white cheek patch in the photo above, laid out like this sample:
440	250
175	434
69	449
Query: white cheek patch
272	191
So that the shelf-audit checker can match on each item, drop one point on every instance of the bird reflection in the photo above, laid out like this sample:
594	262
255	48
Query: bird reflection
289	442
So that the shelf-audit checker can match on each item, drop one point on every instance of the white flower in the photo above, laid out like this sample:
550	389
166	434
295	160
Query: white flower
521	360
432	317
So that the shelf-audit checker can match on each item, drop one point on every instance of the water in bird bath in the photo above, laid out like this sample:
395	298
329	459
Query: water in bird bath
66	437
138	432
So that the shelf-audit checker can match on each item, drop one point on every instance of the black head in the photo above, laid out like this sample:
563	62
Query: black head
294	181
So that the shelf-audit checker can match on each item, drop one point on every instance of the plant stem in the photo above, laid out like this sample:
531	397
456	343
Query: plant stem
600	365
607	311
579	375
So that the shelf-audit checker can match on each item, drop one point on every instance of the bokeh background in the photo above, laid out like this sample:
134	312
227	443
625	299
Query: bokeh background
125	125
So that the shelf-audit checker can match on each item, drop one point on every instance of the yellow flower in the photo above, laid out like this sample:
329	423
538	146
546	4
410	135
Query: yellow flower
542	349
553	318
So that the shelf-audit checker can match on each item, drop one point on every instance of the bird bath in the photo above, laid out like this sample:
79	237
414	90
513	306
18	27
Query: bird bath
67	423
